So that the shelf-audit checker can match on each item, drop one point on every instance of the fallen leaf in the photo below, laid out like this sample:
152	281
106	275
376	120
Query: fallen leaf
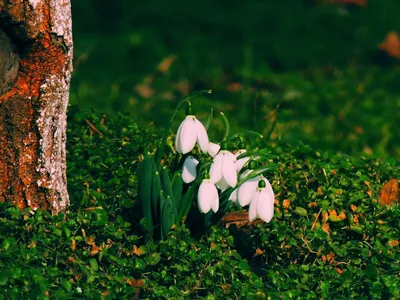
258	252
325	228
73	245
312	204
166	63
389	193
391	45
239	218
339	270
286	203
394	243
134	282
355	2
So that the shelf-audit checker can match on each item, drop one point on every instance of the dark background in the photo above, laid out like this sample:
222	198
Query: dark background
311	69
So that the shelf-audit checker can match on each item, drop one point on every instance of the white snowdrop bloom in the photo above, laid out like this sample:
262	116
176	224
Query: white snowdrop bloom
262	204
213	149
189	132
240	162
247	190
189	171
223	168
207	197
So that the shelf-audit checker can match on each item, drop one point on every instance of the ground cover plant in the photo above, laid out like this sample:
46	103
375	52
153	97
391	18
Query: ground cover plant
326	104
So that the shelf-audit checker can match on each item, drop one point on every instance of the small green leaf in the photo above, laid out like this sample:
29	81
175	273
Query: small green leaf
3	279
301	211
66	284
93	264
154	259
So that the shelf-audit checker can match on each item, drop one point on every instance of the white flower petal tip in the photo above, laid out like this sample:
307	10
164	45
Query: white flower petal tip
242	161
213	149
189	132
207	197
189	171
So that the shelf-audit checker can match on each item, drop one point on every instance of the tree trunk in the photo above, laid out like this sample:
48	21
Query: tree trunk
35	72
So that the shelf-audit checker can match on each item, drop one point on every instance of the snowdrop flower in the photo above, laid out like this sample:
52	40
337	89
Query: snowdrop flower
207	197
189	171
262	204
247	190
213	149
223	170
189	132
240	162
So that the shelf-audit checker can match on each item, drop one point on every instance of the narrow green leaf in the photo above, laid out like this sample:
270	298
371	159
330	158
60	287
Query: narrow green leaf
209	119
145	178
227	125
168	214
155	194
177	189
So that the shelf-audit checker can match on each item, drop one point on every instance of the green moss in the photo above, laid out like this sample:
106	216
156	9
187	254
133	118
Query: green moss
99	248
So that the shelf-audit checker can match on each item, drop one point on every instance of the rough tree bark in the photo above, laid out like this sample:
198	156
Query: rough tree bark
35	72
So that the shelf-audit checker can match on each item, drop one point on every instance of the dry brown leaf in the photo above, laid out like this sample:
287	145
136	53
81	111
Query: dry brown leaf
313	204
166	63
355	2
325	228
239	218
339	270
134	282
286	203
391	44
258	252
73	245
389	194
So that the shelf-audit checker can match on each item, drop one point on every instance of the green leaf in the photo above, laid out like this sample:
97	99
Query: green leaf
227	125
66	284
93	264
145	183
301	211
154	259
209	119
3	279
168	214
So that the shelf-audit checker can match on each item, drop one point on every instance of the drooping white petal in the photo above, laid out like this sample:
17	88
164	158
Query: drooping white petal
215	201
213	149
247	191
253	207
229	169
206	196
216	168
241	162
188	136
202	137
178	138
189	171
265	205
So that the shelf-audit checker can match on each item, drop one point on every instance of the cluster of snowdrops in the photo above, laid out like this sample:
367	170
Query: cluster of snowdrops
209	173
